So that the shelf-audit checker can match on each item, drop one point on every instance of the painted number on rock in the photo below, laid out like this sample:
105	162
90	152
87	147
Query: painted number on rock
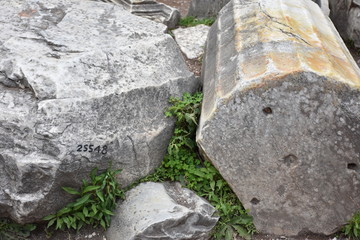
92	148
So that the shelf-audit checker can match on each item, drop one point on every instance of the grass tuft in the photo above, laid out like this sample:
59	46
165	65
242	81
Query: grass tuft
192	21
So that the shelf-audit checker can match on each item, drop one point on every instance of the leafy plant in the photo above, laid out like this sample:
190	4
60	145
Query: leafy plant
192	21
13	231
95	205
182	163
352	229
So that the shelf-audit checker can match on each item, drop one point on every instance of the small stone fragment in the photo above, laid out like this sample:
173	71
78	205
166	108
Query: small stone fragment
162	211
192	40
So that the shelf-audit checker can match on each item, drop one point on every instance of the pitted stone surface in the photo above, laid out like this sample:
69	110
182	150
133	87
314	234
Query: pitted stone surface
82	84
162	211
192	40
281	115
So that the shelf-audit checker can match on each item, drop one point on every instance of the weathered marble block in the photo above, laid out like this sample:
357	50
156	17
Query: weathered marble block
281	115
82	84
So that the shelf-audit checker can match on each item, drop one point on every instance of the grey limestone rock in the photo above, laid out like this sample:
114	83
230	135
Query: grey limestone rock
192	40
162	211
345	15
281	115
82	84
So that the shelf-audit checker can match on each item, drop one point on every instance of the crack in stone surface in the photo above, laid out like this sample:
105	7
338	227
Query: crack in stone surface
273	19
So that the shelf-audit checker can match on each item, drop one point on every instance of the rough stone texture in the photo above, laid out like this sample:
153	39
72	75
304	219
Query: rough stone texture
192	40
353	28
281	115
80	73
206	8
162	211
150	9
345	15
211	8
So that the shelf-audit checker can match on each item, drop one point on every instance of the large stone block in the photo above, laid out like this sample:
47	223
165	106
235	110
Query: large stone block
162	211
281	115
82	84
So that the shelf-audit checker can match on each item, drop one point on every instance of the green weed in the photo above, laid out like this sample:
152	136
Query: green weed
14	231
352	229
192	21
95	205
182	163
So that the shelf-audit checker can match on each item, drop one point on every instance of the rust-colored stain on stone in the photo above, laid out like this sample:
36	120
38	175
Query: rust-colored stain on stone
273	39
254	67
27	13
285	62
317	61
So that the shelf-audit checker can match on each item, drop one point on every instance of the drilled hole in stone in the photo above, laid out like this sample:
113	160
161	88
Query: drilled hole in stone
267	110
255	201
290	159
352	166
